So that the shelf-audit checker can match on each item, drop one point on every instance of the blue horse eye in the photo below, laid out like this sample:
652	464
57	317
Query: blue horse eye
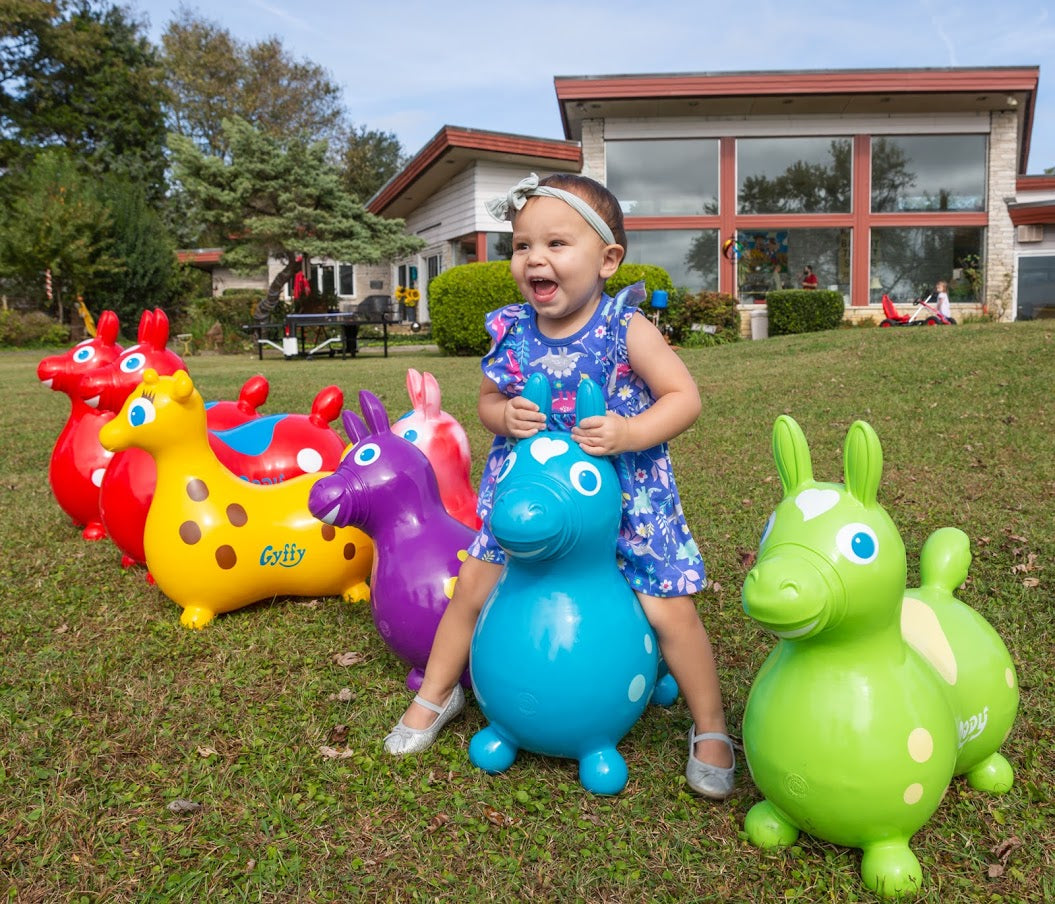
858	543
410	434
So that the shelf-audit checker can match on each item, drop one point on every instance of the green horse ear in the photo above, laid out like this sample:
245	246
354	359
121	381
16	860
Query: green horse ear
589	400
537	390
862	462
791	453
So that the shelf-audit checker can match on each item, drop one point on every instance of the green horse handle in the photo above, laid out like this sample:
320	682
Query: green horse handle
875	696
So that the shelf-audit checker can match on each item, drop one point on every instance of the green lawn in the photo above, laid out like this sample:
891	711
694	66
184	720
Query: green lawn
110	711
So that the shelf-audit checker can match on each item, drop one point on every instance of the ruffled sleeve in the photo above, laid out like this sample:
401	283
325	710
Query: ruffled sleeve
501	363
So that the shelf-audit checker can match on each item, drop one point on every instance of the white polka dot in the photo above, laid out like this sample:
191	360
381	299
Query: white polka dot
1009	677
309	460
648	644
913	793
637	688
920	745
97	476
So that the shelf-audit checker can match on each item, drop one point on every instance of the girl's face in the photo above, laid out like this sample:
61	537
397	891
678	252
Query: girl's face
560	264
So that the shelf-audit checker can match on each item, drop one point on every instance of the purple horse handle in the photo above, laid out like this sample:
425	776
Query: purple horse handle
386	487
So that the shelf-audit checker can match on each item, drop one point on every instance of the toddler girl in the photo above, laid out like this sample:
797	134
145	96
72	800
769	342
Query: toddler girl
568	238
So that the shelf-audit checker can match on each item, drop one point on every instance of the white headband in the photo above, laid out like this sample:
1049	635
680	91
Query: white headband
516	198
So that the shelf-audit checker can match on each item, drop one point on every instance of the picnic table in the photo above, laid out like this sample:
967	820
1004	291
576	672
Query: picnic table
328	333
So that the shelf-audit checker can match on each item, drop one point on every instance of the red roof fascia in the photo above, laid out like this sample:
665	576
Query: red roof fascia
1041	213
199	256
471	139
1035	183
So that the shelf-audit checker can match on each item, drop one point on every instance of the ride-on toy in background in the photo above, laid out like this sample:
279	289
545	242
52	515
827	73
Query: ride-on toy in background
924	315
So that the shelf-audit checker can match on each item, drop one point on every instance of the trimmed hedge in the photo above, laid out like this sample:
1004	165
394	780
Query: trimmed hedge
712	309
803	311
460	298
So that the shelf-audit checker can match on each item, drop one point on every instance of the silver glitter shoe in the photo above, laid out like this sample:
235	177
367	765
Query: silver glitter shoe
403	739
715	782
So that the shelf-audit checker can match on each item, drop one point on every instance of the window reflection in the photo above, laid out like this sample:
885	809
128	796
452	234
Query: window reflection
928	172
793	175
907	262
499	246
689	256
664	177
776	259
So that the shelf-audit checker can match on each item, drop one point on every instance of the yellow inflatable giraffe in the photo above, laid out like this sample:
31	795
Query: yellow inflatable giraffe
214	542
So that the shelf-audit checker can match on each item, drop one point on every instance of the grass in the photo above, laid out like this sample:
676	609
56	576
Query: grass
110	711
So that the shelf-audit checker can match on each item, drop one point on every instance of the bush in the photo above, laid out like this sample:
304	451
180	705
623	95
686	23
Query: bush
689	314
803	311
654	278
231	310
460	298
33	329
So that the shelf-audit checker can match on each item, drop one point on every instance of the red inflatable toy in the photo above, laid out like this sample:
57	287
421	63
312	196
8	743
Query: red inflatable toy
78	460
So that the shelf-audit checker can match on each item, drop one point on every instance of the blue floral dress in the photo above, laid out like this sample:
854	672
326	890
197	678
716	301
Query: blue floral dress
656	551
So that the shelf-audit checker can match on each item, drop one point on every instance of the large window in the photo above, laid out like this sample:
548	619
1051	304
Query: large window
908	261
332	279
793	175
499	246
658	178
928	172
690	257
775	259
1036	286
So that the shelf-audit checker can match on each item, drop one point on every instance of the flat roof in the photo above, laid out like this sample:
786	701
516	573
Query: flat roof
801	92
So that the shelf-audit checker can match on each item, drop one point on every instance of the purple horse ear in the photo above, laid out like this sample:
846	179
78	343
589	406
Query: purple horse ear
374	412
353	426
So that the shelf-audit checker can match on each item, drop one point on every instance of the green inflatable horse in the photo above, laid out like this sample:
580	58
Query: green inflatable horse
875	696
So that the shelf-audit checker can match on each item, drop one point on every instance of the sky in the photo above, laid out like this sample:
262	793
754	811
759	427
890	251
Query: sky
410	67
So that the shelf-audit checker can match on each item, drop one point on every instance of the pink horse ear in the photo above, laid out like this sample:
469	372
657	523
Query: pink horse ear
432	396
414	388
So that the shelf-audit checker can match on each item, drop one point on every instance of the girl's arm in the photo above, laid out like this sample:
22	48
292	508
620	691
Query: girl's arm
677	398
503	416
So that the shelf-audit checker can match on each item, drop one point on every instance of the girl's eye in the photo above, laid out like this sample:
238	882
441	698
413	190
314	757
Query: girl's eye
858	543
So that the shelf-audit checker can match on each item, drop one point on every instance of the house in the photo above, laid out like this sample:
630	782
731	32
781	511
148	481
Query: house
882	180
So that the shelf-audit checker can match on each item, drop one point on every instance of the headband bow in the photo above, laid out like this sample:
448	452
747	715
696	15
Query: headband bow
516	198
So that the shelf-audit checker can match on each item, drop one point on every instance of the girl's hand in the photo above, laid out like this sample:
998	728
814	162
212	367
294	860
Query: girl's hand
523	418
607	434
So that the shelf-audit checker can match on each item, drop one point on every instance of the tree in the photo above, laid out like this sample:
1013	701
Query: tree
55	221
278	198
212	75
81	75
368	160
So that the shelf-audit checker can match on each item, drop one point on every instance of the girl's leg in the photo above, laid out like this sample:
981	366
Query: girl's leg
687	651
450	648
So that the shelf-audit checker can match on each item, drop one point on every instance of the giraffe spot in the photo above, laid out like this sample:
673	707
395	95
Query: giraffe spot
328	532
1009	677
226	557
913	793
349	551
197	490
920	745
636	689
236	515
189	532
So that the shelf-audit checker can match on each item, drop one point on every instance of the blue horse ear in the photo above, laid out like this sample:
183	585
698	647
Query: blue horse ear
537	390
589	400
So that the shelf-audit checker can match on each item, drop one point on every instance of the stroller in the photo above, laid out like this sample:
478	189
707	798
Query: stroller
924	315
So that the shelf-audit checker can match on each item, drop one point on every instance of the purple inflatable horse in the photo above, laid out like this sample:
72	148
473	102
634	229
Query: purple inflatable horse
386	487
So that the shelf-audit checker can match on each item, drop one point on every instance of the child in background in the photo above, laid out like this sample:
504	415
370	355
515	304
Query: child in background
941	300
568	238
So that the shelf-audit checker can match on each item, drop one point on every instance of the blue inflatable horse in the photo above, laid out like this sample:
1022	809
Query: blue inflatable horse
563	660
